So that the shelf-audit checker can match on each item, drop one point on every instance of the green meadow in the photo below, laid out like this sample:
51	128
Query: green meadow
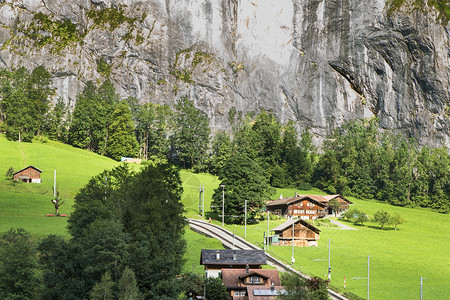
419	248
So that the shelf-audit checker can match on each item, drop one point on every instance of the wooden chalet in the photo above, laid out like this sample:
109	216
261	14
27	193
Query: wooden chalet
306	206
216	260
305	234
252	284
30	174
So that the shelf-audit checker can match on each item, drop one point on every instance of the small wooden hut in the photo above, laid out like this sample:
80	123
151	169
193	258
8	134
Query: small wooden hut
305	234
30	174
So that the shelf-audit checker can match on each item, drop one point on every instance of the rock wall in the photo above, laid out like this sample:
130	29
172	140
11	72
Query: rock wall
317	62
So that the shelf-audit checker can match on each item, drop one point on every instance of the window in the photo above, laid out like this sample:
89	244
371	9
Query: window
236	293
242	293
254	279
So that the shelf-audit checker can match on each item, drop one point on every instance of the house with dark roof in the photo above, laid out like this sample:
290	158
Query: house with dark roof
252	284
216	260
306	206
30	174
304	234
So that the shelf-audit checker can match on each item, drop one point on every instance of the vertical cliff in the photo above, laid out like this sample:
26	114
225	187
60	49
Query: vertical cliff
313	61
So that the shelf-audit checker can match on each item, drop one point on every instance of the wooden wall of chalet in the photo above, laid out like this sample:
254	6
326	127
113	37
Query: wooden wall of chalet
304	209
31	173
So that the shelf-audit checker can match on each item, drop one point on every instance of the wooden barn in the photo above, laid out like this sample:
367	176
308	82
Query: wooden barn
29	174
305	234
307	207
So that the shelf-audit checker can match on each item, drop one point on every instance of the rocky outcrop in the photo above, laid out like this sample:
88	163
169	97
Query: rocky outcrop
316	62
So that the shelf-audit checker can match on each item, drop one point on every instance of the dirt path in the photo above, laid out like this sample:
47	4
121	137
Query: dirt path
341	226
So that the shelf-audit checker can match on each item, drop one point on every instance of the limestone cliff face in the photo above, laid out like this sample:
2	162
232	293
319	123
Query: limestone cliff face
318	62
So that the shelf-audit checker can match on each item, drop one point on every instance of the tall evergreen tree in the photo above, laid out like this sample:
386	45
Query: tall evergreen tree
191	138
243	180
121	140
221	151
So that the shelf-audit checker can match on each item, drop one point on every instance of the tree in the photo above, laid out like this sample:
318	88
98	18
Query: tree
192	285
318	288
335	205
190	141
103	290
121	140
57	122
396	220
244	180
128	289
382	217
215	289
361	218
24	101
57	203
18	266
221	151
9	173
296	287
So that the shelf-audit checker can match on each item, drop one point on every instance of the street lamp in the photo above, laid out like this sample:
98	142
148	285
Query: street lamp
223	203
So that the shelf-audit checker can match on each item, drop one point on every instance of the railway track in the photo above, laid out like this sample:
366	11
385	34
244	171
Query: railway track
232	241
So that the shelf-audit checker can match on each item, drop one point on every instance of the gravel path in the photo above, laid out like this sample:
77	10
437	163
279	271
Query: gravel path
341	226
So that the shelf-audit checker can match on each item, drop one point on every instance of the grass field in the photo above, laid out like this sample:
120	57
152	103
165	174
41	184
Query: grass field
397	258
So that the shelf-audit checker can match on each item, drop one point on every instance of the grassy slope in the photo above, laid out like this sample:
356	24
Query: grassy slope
398	258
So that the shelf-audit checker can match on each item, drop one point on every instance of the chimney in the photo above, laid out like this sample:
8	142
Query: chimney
281	196
272	287
296	194
246	268
234	255
217	255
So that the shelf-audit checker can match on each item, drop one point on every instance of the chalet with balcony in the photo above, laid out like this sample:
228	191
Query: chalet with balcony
305	234
252	284
217	260
307	207
30	174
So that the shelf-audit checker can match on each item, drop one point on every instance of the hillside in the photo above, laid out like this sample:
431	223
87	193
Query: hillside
318	63
398	258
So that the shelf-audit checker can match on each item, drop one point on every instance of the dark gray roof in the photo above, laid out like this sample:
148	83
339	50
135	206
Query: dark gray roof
243	257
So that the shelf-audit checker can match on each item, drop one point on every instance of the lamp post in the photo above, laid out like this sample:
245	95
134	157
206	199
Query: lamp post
223	203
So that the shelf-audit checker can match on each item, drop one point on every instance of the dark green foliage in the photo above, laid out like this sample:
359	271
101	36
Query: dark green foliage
128	289
335	205
127	225
24	102
215	289
296	287
191	138
153	123
243	180
442	6
92	117
9	173
221	151
192	285
57	122
356	216
318	288
121	140
103	290
18	278
382	217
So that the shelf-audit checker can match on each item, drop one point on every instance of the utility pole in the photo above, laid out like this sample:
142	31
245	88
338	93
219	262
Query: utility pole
329	260
223	204
268	212
203	199
368	272
292	257
106	185
245	231
54	185
421	287
200	200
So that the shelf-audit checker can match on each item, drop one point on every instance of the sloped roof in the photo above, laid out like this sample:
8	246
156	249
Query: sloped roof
316	199
231	277
243	257
40	171
293	221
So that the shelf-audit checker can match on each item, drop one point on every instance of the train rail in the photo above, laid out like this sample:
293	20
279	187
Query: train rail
232	241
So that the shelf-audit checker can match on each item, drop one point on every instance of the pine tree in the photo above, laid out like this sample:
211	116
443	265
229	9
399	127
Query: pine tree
121	140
